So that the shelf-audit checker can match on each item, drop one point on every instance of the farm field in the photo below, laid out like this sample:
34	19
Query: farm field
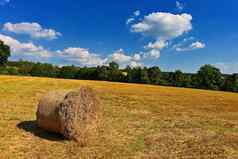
139	121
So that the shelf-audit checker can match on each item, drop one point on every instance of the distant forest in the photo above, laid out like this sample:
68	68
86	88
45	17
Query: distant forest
207	77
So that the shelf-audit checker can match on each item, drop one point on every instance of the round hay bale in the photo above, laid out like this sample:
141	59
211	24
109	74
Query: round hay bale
75	114
47	112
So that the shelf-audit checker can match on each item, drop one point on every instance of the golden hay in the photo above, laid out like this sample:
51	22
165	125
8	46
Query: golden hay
74	114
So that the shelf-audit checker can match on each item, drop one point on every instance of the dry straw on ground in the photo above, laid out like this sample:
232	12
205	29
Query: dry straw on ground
139	121
74	114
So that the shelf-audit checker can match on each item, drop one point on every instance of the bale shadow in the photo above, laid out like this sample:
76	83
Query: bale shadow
31	126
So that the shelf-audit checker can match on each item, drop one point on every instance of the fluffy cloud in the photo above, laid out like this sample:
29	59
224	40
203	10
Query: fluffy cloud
194	46
163	26
35	30
71	55
24	49
81	56
29	51
134	64
198	45
120	57
136	57
157	45
155	48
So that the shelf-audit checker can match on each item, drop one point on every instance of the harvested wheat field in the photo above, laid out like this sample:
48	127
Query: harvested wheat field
139	121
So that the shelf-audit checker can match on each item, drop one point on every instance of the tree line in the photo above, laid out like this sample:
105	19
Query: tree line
207	77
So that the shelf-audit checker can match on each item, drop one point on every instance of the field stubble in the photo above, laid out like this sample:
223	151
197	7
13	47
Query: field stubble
140	121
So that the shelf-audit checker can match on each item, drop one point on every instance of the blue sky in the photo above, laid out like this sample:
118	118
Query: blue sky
171	34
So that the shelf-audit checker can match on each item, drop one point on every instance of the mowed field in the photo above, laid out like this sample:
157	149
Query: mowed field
139	121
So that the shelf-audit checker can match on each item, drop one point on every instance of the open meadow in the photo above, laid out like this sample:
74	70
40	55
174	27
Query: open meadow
139	121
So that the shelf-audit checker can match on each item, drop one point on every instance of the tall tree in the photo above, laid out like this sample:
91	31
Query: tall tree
178	78
154	75
44	70
4	53
231	83
113	65
134	75
88	73
144	76
209	77
102	73
114	72
69	72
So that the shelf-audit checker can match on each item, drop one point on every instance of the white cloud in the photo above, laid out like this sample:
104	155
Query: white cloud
157	45
194	46
153	53
137	13
24	49
132	18
136	57
134	64
198	45
29	51
163	26
71	55
155	48
179	6
120	57
81	56
35	30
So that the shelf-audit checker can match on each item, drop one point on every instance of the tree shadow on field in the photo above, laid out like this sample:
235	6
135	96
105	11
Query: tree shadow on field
31	126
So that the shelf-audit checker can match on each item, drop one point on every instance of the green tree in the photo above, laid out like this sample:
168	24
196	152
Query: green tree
209	77
69	72
165	79
154	75
144	78
187	81
102	73
113	66
134	74
4	53
114	72
178	78
231	83
12	71
138	75
194	81
44	70
24	67
86	73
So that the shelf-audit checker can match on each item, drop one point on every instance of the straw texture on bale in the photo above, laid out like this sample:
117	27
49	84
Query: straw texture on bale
74	114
